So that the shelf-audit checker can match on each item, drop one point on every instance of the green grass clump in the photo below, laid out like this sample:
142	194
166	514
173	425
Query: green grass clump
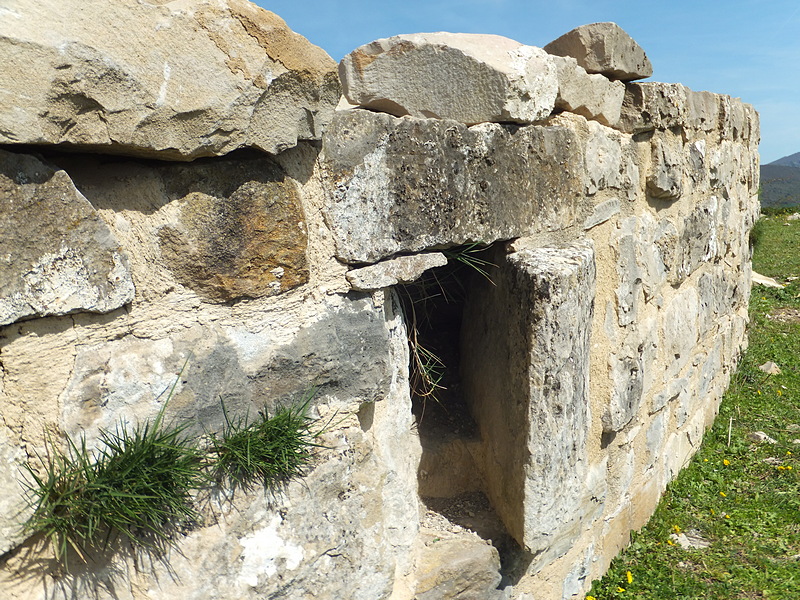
136	485
269	449
742	496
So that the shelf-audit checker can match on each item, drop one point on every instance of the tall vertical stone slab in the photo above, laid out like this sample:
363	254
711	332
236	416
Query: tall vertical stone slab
525	355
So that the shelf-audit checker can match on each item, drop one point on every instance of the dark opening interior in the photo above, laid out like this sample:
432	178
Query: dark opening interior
450	470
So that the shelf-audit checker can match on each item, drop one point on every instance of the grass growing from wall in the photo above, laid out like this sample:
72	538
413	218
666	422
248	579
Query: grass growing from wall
739	495
139	485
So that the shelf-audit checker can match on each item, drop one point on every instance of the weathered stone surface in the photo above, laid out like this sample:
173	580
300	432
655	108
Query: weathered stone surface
525	361
403	269
604	48
456	567
602	213
665	179
435	74
246	241
404	185
58	256
172	80
653	105
229	228
295	542
591	96
123	378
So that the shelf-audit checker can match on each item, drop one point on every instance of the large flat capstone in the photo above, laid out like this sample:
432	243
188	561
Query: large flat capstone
604	48
57	255
405	184
470	78
172	80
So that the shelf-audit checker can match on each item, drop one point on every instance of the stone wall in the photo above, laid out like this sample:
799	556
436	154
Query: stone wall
178	186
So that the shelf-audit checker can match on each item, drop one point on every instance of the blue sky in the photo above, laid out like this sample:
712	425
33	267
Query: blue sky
744	48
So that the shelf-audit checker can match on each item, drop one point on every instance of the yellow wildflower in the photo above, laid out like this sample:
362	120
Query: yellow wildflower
629	577
781	468
670	542
676	529
723	494
789	468
726	462
705	460
620	589
590	598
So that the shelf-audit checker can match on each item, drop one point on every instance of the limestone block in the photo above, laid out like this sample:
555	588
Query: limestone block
227	229
665	179
403	269
604	48
591	96
470	78
58	256
245	242
679	329
456	567
405	185
653	105
699	240
611	162
525	365
627	373
602	213
13	507
123	379
170	81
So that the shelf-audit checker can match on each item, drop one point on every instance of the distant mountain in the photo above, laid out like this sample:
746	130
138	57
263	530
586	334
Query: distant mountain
793	160
780	182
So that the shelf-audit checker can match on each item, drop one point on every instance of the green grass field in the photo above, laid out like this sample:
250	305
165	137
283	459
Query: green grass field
743	498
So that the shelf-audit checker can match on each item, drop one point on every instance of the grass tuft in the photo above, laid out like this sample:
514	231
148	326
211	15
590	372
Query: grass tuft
136	485
270	450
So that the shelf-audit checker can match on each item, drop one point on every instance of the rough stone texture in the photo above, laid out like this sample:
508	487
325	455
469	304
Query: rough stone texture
591	96
234	227
434	75
533	326
604	48
289	544
403	185
58	256
403	269
456	567
167	79
577	440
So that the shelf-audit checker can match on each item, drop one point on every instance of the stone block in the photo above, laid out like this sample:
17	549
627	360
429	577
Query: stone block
405	184
403	269
665	178
434	75
602	213
227	229
59	256
604	48
592	96
525	365
163	81
456	567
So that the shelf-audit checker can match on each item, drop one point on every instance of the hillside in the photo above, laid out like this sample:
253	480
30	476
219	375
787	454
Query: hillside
780	183
793	160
